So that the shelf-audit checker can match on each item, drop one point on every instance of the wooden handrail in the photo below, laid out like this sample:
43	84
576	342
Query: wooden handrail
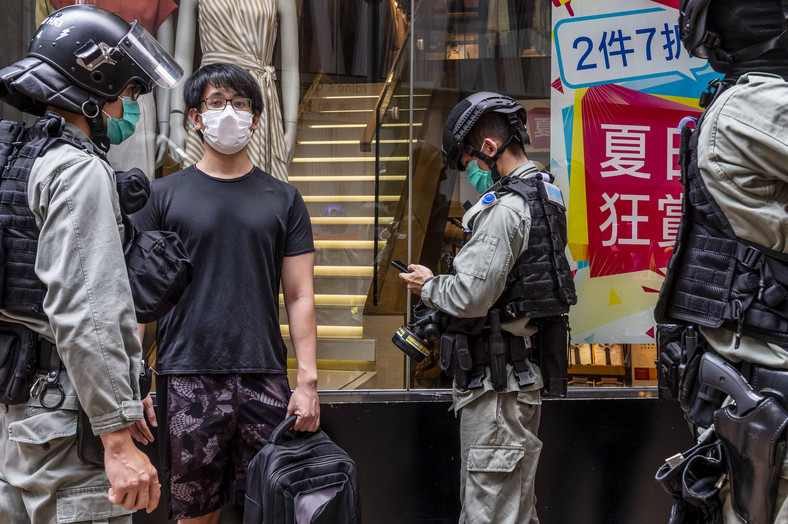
386	94
310	93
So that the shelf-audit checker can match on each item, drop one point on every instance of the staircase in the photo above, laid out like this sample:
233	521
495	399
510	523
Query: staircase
337	182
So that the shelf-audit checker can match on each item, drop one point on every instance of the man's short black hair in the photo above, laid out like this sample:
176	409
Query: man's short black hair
493	125
222	76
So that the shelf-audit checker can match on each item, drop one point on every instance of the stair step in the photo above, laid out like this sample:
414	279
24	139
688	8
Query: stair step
348	244
343	271
348	148
332	316
358	126
359	349
334	300
350	220
346	178
350	198
349	90
370	158
330	331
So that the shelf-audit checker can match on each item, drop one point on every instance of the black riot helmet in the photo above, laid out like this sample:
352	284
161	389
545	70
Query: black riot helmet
82	57
736	36
467	113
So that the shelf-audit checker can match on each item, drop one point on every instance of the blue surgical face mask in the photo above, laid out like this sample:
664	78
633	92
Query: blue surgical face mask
119	129
480	179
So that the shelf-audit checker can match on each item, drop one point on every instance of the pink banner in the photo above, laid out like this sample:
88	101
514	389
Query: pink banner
631	144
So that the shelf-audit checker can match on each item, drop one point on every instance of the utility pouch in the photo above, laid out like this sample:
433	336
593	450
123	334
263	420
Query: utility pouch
17	363
497	348
90	449
670	363
455	357
694	478
553	344
755	445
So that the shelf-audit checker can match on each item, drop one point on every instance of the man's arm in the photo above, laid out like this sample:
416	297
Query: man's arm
90	309
298	290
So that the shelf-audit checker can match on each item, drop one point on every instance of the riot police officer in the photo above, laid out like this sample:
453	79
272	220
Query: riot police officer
66	303
728	275
512	286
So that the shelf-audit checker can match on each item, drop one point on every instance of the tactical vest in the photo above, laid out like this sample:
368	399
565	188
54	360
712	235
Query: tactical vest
540	284
539	287
22	290
714	278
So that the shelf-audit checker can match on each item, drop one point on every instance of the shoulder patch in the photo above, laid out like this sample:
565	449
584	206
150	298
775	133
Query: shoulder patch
553	194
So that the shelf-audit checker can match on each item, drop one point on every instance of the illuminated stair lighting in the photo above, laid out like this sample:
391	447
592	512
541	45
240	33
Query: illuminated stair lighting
350	198
343	271
330	331
351	97
350	220
345	178
346	126
326	111
335	159
350	142
334	300
348	244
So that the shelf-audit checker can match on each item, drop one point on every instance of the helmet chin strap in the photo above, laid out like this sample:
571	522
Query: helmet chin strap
492	161
98	130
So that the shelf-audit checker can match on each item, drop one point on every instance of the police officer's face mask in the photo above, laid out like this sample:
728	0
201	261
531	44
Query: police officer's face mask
478	178
119	129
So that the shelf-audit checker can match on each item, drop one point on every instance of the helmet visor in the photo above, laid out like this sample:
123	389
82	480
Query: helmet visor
151	57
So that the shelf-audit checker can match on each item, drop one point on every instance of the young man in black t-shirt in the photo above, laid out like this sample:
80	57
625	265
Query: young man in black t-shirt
221	360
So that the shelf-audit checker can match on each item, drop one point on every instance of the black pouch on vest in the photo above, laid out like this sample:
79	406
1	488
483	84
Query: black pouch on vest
694	479
670	365
17	363
90	449
553	344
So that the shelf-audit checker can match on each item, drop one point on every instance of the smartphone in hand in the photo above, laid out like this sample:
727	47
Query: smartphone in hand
403	267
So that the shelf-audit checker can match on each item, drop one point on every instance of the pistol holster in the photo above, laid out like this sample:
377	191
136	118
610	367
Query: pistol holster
755	445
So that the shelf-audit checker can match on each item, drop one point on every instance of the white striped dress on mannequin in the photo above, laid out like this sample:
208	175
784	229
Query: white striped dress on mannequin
243	32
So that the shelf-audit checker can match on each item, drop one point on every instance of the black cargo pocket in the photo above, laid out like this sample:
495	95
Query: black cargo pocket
87	504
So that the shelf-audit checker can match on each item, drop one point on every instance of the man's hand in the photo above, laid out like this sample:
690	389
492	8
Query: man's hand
305	403
417	277
140	430
133	479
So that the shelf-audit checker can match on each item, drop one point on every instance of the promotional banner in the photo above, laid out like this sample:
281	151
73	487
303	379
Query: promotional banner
622	83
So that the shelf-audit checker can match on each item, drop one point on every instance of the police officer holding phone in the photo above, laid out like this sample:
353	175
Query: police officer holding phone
512	286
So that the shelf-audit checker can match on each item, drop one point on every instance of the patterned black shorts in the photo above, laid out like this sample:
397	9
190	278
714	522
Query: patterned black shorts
211	426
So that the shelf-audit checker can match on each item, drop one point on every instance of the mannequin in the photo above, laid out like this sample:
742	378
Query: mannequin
242	32
144	149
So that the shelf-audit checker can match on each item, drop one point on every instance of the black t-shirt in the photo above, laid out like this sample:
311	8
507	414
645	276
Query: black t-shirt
237	233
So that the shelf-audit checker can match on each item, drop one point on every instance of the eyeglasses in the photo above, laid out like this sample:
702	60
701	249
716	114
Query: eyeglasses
219	102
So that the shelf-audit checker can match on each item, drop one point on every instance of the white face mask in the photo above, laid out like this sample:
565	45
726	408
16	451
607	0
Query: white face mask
227	130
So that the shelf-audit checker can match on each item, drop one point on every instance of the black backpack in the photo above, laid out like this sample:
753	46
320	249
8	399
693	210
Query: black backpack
305	480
